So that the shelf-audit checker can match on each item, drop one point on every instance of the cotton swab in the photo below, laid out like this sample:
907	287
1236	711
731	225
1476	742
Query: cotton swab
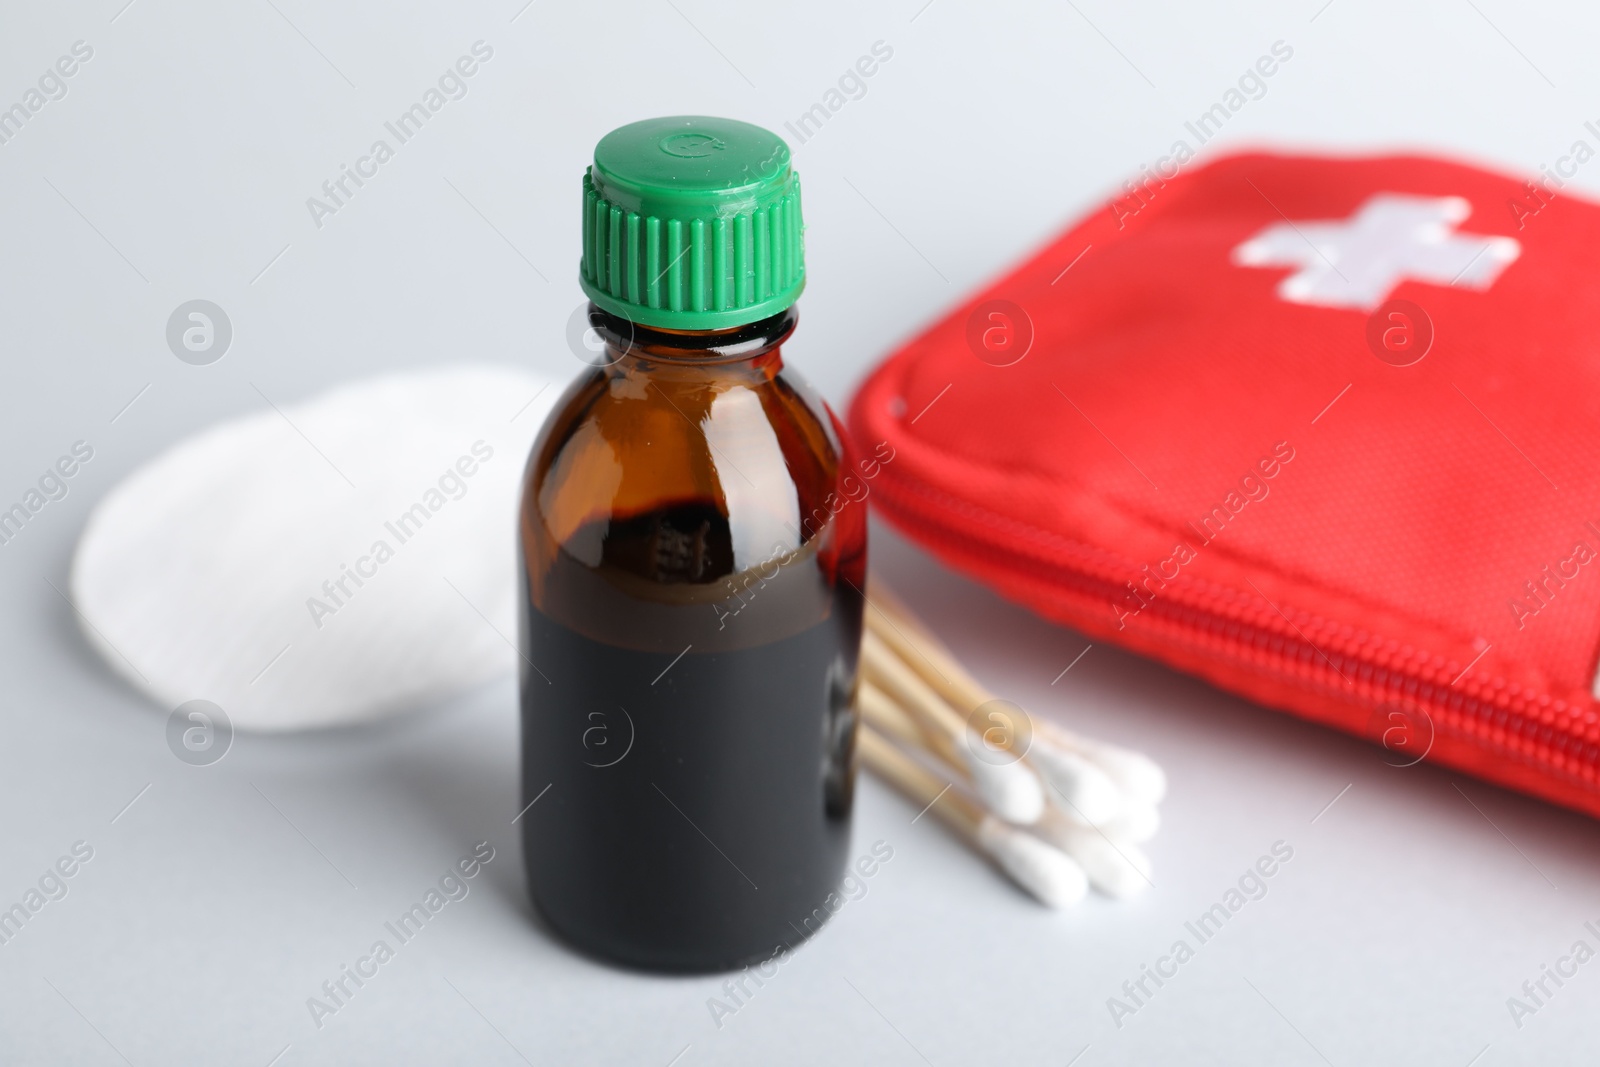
1010	789
1084	787
1118	869
1100	803
1139	777
1060	755
1047	873
1136	823
1114	873
879	711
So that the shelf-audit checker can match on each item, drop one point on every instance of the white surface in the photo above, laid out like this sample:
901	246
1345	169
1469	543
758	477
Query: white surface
214	905
247	567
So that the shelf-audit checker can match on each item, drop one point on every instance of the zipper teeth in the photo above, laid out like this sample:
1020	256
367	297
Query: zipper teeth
1495	713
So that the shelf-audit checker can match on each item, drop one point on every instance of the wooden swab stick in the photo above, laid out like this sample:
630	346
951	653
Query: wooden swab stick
891	677
1010	788
880	712
886	718
893	623
919	784
1049	874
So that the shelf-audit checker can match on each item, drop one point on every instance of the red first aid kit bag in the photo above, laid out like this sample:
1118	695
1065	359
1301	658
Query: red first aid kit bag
1323	431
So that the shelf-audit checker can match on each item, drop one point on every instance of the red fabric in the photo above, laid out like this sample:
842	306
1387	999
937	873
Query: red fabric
1380	568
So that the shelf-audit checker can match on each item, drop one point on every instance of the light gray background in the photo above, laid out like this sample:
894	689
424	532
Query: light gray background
178	167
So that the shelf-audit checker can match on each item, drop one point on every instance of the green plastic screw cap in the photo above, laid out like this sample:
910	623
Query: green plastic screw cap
692	223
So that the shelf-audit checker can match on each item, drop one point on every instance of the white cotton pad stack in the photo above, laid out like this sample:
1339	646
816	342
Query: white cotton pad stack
323	562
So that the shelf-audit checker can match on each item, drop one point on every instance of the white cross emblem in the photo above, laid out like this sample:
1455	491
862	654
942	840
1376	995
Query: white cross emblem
1357	262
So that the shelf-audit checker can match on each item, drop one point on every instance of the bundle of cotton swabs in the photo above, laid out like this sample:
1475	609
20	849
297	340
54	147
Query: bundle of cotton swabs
1056	811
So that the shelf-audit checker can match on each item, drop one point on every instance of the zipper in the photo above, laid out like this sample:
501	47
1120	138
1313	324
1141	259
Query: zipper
1312	655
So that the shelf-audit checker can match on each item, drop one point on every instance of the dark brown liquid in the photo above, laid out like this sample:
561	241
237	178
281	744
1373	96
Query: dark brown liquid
688	730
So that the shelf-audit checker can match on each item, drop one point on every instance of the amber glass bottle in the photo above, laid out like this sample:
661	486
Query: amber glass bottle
691	615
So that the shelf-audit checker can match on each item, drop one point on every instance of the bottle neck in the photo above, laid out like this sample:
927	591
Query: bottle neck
752	341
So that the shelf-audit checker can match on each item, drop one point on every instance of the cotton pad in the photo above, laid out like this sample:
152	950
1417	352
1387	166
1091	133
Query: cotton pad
324	562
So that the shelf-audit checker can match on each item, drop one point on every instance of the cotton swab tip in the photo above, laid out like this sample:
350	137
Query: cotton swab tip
1086	792
1140	777
1137	823
1047	873
1116	868
1010	790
